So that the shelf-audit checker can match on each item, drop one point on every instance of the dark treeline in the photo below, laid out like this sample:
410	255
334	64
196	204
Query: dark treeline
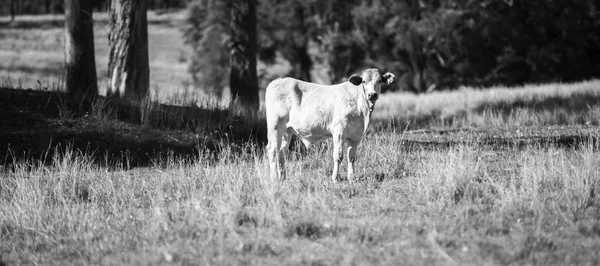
431	44
34	7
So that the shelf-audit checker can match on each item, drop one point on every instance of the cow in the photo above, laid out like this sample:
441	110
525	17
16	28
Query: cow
314	112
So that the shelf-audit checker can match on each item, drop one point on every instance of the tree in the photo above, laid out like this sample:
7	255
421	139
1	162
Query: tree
243	80
311	34
128	65
12	10
286	27
80	62
208	34
430	44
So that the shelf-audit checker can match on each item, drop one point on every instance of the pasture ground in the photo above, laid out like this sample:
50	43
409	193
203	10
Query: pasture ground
110	188
469	177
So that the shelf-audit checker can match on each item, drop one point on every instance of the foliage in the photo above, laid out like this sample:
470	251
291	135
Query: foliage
433	44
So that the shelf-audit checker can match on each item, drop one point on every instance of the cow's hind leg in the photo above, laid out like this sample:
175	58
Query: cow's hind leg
285	143
337	156
275	133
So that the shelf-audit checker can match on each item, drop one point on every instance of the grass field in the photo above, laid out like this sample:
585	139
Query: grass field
490	188
469	177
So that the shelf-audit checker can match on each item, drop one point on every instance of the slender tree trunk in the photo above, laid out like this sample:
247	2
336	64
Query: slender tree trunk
417	61
243	80
304	63
128	66
80	62
48	6
12	10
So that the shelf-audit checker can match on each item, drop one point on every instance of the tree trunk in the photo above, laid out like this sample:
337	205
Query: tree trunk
48	7
128	64
80	62
417	61
12	10
243	80
303	63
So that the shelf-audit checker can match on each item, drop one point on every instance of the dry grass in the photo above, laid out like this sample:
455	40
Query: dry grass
465	204
416	202
498	107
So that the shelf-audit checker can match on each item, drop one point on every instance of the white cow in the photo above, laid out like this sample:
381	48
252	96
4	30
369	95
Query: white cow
314	112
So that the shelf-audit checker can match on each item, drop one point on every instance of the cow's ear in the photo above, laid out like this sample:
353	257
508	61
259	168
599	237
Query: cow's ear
387	78
355	79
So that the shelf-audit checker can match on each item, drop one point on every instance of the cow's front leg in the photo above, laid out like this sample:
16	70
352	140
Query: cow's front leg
337	156
352	145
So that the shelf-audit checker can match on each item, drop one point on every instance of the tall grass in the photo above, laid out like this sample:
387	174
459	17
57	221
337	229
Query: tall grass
438	205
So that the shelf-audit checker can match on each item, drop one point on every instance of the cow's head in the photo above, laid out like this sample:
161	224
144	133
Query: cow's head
372	81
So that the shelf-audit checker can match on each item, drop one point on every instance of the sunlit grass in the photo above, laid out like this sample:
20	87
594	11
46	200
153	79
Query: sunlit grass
530	105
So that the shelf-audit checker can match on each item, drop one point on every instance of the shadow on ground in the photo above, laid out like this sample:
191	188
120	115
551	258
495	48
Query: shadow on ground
34	124
504	142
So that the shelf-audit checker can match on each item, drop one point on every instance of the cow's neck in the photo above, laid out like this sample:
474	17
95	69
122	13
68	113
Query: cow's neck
364	105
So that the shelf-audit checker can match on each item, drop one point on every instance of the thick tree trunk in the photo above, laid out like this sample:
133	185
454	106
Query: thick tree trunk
243	80
128	65
80	62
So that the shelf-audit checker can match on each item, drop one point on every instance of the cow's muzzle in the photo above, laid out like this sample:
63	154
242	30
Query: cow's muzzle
373	96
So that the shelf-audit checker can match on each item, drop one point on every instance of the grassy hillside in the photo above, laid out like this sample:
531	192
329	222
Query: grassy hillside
501	176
